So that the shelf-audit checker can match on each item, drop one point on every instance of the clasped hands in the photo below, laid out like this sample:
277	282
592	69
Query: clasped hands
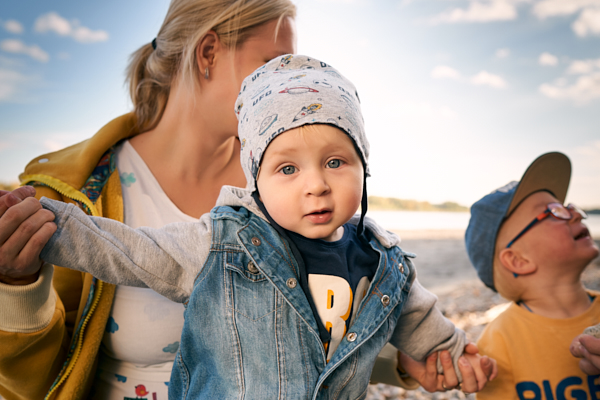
476	370
25	227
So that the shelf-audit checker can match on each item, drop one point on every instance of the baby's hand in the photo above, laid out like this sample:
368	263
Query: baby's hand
484	368
476	370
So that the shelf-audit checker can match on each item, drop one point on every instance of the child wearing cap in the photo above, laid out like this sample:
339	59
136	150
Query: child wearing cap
529	247
288	294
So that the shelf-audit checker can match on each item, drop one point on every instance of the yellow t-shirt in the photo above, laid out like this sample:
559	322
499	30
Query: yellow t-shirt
534	361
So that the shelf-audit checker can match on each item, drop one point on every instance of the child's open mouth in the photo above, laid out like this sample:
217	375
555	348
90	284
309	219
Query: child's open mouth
320	216
585	233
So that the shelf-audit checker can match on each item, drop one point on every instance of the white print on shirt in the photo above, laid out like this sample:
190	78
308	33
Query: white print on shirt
333	299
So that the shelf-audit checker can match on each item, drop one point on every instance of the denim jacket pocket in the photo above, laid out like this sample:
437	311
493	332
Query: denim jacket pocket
252	295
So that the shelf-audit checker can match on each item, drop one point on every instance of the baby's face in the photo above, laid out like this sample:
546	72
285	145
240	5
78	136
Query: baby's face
311	181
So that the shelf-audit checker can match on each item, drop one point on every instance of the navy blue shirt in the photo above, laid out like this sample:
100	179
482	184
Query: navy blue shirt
339	275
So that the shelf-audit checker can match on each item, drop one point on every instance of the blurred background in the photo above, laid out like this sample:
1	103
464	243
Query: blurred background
458	96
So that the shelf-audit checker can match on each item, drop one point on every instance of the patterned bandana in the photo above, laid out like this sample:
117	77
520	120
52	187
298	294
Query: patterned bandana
288	92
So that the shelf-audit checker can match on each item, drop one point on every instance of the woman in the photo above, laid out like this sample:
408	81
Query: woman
67	335
173	154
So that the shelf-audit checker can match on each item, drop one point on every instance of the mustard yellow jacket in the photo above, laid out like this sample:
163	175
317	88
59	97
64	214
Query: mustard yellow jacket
51	330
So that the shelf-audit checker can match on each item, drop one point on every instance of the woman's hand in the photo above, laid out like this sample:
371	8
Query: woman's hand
25	227
474	379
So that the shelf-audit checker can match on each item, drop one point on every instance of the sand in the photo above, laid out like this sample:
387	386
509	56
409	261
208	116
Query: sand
443	267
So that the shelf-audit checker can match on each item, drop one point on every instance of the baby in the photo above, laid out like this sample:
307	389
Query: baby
288	293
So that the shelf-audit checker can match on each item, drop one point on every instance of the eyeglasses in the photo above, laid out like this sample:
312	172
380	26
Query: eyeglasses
555	210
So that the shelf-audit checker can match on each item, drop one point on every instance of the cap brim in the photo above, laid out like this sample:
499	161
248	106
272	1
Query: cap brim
551	172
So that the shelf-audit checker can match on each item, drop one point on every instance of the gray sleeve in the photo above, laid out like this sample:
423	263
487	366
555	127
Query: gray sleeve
167	260
422	329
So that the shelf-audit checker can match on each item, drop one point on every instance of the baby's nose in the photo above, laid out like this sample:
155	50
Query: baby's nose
317	185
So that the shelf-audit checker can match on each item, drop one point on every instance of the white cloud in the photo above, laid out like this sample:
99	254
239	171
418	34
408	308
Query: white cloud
548	59
52	22
585	89
578	67
553	8
581	90
588	23
18	47
86	35
10	81
13	26
443	71
480	11
485	78
502	53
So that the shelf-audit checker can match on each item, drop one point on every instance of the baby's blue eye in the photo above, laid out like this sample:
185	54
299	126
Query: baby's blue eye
334	163
288	170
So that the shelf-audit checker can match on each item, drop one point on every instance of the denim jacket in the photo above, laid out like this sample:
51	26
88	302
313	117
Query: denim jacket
249	332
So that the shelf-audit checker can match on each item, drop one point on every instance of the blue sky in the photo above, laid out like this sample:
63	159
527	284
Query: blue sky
458	96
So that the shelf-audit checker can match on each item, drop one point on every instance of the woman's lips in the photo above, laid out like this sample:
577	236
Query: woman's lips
320	217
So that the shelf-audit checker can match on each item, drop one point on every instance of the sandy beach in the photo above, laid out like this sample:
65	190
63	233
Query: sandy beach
443	267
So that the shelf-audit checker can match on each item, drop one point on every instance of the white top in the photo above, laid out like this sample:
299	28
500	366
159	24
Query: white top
142	334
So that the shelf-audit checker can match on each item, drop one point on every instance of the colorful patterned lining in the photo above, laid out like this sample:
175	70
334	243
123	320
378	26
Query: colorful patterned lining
92	189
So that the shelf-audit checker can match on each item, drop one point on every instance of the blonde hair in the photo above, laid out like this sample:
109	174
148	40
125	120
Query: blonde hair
151	72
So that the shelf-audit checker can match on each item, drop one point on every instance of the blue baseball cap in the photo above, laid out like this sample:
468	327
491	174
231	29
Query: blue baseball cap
550	172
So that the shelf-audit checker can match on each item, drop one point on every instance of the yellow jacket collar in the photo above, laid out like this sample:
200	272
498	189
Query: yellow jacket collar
73	165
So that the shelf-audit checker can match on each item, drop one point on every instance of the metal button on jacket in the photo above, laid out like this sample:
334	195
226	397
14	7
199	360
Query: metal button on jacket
252	268
255	241
385	300
291	283
351	337
401	268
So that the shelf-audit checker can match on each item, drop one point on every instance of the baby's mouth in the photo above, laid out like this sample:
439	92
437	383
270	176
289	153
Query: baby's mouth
320	216
320	212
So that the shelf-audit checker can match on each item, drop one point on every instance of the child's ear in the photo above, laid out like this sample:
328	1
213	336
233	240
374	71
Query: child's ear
516	262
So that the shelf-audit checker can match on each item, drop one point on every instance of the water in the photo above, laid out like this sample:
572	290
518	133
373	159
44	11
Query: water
430	220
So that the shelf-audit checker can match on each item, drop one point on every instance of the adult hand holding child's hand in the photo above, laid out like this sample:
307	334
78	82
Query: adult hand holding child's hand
25	227
476	370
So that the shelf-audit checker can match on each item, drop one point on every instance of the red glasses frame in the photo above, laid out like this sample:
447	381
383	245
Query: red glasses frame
555	210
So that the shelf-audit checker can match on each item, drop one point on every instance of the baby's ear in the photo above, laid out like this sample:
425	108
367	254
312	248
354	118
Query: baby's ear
516	262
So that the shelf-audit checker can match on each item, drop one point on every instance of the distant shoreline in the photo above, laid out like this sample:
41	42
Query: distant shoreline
392	204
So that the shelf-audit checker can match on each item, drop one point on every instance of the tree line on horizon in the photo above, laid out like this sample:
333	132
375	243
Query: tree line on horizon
394	204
